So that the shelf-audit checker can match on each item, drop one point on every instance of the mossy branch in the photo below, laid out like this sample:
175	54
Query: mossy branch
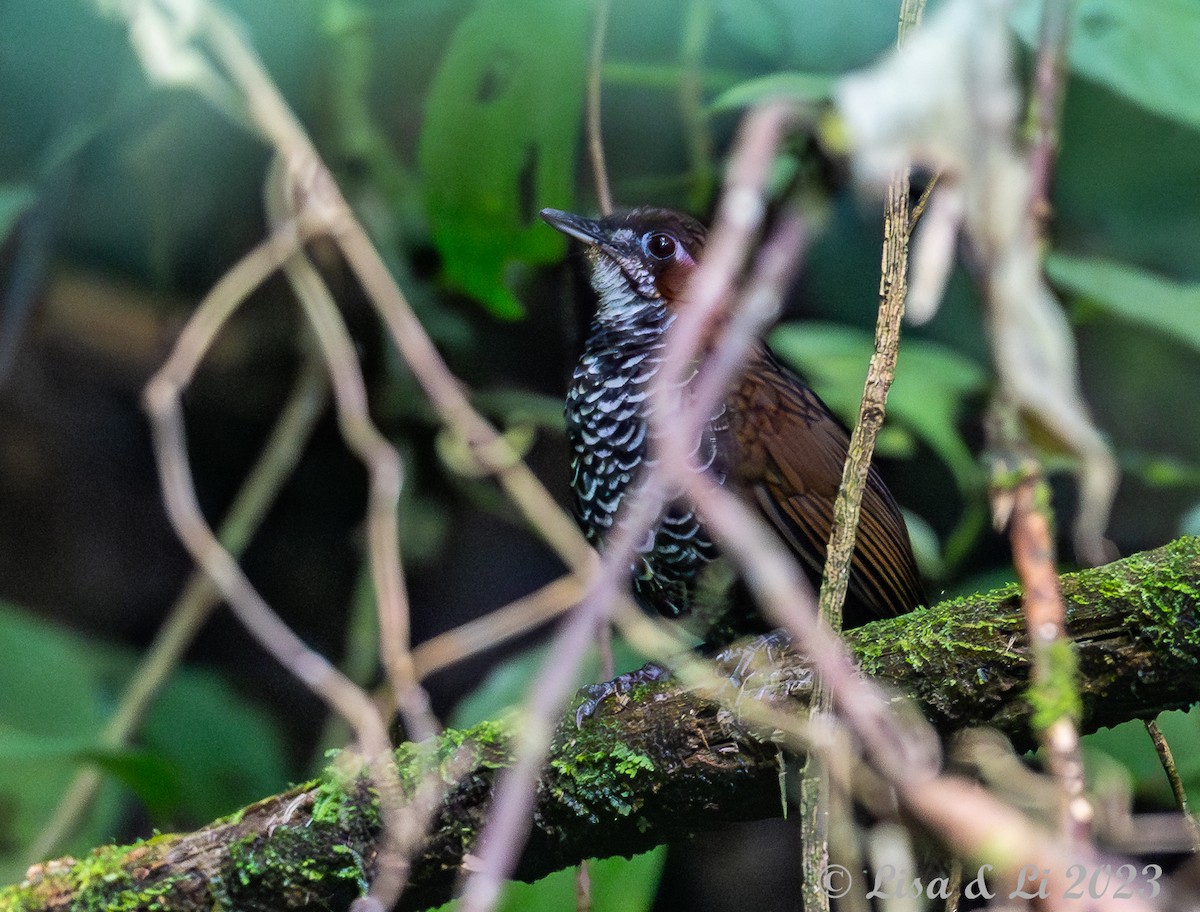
663	766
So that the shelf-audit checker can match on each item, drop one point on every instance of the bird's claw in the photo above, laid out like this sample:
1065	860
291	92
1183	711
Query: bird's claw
741	660
619	687
765	668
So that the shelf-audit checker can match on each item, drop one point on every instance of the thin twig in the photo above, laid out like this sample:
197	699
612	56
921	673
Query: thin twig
893	286
595	136
1054	688
1167	759
196	602
374	450
1048	89
739	217
446	394
496	627
1053	685
881	371
583	888
163	400
922	202
508	824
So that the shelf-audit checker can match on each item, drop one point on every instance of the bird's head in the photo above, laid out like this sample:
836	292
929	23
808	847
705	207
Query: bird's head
644	255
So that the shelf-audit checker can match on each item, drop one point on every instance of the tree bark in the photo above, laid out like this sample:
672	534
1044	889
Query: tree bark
660	767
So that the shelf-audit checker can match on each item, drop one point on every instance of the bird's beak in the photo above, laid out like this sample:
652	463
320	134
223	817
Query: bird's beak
576	226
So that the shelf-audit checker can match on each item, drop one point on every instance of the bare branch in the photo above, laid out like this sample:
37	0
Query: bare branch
1046	103
1053	688
1167	758
372	448
835	579
1136	624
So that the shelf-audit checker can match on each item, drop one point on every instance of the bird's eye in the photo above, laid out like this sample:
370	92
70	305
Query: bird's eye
660	245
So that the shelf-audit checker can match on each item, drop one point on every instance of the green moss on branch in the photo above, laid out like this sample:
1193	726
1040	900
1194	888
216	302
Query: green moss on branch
666	765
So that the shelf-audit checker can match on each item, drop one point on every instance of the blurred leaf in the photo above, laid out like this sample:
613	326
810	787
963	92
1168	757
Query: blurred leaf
150	777
1145	51
53	104
50	714
754	25
521	406
1189	523
984	581
1160	470
925	545
617	885
204	751
226	752
158	180
20	746
813	87
498	141
931	384
14	200
1131	293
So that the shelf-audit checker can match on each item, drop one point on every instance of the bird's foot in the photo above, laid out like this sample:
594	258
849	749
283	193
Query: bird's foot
618	688
764	667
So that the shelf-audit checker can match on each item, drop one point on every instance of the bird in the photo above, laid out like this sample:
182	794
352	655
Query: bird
772	440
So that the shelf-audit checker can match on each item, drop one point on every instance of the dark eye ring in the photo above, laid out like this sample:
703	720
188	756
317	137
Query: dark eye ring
661	245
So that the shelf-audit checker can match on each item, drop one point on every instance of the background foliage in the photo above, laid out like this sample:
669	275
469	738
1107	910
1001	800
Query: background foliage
450	124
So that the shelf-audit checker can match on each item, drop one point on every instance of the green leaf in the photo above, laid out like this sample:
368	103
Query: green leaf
49	716
1189	523
1145	51
225	751
757	26
926	398
204	751
152	778
1131	293
811	87
20	746
498	140
617	885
